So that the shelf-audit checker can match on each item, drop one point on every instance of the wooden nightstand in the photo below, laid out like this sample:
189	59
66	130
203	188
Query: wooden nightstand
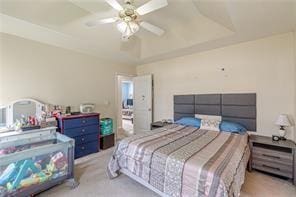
158	124
275	157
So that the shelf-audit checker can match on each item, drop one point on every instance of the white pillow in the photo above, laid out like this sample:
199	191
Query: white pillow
208	117
212	125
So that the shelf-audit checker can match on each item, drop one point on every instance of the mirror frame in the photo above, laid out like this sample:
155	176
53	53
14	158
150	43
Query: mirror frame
9	112
5	107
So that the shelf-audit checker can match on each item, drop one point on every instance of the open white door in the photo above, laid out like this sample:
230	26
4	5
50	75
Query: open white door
142	103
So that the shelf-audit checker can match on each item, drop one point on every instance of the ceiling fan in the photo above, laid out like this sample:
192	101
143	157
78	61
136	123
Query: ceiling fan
128	19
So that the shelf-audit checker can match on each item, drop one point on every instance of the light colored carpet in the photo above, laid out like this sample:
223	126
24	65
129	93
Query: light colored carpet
126	130
128	126
91	173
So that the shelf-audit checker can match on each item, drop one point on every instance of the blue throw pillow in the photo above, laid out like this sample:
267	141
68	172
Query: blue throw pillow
232	127
189	121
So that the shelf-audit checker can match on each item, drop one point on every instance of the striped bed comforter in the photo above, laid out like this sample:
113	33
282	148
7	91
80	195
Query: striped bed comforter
185	161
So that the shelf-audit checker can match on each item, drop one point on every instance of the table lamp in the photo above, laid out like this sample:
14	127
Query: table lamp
283	121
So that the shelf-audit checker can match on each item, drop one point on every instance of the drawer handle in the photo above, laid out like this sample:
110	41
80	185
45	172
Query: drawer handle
274	168
82	147
272	156
83	121
82	139
83	130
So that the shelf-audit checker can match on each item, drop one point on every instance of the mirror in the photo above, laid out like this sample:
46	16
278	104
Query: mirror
3	117
23	108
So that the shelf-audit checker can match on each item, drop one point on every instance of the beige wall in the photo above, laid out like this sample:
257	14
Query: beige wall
55	75
265	66
58	76
295	82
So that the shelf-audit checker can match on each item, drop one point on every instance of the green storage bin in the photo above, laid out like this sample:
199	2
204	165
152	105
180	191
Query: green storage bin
106	126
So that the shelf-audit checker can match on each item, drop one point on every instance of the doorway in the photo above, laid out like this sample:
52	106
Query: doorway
127	117
134	104
125	106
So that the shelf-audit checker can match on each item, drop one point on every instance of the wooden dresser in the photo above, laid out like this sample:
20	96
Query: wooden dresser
84	129
275	157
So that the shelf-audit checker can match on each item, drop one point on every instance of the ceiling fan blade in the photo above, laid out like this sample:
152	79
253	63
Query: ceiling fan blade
114	4
151	6
102	21
152	28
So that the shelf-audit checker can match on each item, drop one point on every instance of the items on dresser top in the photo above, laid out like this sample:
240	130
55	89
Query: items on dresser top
87	108
84	129
49	122
22	114
275	157
27	114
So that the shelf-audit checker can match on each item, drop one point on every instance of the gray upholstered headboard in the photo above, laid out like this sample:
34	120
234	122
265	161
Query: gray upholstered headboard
240	108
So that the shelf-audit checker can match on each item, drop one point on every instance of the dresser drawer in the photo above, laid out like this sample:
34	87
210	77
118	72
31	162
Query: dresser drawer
272	155
80	122
86	138
81	131
275	168
85	149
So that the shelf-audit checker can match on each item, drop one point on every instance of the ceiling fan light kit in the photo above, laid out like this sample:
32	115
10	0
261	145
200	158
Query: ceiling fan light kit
128	25
128	22
127	29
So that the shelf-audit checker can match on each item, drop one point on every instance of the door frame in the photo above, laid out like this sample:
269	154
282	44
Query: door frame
119	78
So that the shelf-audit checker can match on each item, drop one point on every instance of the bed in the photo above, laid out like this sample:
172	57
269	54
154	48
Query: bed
179	160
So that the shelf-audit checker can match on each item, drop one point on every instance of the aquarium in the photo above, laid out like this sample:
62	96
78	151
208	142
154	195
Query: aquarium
33	161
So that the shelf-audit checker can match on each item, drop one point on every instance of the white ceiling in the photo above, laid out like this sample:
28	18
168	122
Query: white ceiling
190	25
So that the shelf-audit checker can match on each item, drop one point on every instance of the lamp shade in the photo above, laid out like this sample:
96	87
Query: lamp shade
127	29
283	120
